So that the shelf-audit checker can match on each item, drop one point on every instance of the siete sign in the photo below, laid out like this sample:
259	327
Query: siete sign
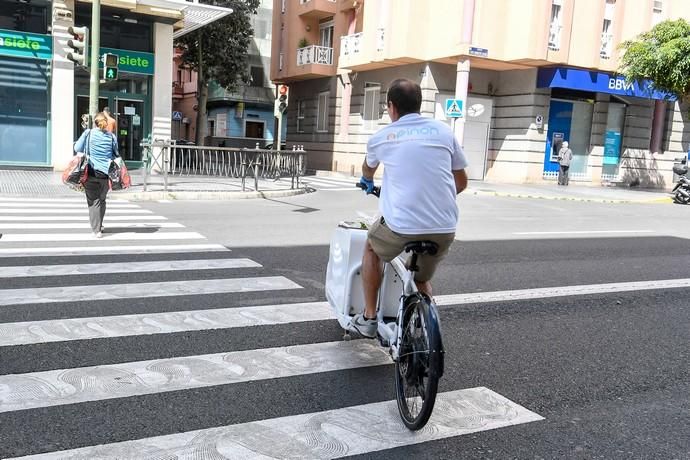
132	61
25	45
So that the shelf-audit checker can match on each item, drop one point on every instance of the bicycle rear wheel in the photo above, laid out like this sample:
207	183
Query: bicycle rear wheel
420	362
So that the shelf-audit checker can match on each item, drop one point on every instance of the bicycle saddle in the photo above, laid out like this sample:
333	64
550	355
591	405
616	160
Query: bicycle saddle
422	247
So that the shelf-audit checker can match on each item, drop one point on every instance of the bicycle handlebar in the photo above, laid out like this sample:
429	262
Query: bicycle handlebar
376	192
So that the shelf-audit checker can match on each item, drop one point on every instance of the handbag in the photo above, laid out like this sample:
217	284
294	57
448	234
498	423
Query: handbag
76	173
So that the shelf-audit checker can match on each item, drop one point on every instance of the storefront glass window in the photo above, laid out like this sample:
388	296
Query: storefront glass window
23	110
24	17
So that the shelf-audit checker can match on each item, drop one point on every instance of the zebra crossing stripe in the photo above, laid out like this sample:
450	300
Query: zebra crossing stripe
142	290
26	237
82	210
80	217
110	250
69	386
54	200
66	205
85	225
322	435
125	267
62	330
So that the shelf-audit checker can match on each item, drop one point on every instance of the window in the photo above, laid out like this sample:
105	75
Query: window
211	128
322	111
24	17
555	26
179	76
260	27
657	12
326	33
257	76
372	95
607	30
301	112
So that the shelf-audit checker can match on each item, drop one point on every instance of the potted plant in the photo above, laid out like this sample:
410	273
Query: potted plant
303	43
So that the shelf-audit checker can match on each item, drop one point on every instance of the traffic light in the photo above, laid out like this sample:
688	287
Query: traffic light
80	45
110	66
282	100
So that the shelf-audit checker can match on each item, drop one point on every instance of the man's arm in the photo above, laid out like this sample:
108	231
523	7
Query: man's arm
460	177
367	171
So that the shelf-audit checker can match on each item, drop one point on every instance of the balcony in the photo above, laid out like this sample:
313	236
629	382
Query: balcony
363	51
314	54
178	90
316	9
555	37
606	45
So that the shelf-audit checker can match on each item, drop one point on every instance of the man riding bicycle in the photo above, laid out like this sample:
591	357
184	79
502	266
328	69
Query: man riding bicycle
424	170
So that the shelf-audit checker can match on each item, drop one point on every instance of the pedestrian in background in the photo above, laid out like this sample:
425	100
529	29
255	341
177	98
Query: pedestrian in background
101	147
565	156
112	123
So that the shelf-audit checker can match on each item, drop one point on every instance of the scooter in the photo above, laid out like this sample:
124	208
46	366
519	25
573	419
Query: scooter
681	192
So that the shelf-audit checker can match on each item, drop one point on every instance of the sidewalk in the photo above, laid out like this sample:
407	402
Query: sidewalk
48	184
573	192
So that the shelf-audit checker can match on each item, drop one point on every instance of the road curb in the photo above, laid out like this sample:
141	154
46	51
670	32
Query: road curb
202	195
661	200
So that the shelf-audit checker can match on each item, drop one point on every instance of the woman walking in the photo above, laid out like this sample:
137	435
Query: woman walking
101	146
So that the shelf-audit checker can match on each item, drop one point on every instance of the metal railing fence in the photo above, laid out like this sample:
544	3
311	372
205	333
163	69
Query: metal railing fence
167	158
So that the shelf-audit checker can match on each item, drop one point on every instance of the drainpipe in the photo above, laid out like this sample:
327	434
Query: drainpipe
462	76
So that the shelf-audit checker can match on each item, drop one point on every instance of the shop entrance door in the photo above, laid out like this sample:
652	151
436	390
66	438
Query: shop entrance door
129	114
569	121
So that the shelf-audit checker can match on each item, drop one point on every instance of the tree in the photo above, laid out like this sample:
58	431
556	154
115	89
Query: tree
661	55
218	52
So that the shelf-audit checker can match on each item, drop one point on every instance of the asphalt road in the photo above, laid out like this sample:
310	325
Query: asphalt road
609	373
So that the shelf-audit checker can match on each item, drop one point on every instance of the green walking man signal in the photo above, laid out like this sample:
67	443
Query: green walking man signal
110	66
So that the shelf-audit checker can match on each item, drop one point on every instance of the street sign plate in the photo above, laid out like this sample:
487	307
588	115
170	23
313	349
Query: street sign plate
454	108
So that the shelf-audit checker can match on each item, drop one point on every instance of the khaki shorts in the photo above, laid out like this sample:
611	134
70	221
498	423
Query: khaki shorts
388	244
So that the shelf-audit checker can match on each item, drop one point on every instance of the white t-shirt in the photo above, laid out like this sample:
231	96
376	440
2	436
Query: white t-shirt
418	191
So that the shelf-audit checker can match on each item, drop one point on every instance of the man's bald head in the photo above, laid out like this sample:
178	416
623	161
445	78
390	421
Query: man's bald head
405	95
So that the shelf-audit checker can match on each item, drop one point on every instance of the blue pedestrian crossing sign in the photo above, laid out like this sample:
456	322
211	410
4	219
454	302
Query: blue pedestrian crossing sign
454	108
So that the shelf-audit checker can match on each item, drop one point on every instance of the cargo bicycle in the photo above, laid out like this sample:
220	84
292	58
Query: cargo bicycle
408	321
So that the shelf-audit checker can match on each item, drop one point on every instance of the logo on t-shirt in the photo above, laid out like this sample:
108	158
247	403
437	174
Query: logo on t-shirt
418	133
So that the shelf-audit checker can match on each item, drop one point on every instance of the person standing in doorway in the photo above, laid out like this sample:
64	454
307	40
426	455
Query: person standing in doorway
565	156
112	123
101	147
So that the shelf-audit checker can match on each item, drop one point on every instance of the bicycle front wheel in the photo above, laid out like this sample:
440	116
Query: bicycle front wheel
420	362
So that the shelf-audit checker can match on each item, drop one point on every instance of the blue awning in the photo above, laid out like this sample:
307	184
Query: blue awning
599	82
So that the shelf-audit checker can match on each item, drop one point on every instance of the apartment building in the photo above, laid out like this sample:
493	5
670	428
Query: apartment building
235	118
530	74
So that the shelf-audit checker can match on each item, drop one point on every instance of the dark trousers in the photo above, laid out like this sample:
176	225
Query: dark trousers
96	191
563	177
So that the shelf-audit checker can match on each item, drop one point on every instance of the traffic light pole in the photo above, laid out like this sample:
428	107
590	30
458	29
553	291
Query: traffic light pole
94	80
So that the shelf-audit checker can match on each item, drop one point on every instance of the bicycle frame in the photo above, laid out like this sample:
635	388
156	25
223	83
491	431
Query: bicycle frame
392	332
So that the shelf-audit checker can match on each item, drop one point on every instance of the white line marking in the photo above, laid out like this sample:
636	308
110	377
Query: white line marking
53	200
85	210
99	327
85	225
583	232
24	237
81	217
66	205
329	434
142	290
562	291
108	250
97	383
126	267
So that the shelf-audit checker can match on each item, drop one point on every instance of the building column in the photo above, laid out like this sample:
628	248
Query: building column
61	128
162	81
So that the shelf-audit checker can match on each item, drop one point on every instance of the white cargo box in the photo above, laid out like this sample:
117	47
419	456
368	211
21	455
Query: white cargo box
344	274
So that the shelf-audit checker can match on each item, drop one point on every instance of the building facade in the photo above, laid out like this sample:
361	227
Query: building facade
530	74
240	118
43	95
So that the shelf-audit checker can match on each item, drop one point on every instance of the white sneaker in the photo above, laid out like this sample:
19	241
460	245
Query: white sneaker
99	235
366	327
